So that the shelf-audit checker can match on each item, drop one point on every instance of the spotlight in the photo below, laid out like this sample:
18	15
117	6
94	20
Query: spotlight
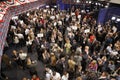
118	20
113	18
96	3
78	1
55	6
90	2
106	6
87	2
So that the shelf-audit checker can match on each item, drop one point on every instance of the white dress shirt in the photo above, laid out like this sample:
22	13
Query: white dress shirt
47	76
56	76
65	77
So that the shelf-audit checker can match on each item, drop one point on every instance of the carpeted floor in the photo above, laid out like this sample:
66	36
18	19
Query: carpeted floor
17	73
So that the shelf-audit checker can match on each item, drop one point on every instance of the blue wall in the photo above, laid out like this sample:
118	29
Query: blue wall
107	13
102	15
63	6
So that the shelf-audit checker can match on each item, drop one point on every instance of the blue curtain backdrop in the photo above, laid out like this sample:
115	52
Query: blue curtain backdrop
107	13
63	6
60	4
102	15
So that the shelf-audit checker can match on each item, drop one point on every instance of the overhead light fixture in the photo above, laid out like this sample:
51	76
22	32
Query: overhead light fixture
113	18
55	6
106	6
118	20
90	2
96	3
78	1
87	1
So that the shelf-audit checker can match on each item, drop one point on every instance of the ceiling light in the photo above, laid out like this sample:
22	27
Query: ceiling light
90	2
106	6
96	3
118	20
78	1
87	2
55	6
113	18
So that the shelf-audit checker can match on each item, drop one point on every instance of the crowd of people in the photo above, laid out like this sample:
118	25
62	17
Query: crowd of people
70	44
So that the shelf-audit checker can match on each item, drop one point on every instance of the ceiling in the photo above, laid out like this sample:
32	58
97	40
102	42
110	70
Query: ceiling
112	1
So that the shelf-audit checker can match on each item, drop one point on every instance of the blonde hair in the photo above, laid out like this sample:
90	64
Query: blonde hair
79	78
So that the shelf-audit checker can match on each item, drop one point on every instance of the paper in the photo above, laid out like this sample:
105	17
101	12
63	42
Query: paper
69	29
13	27
87	31
40	35
28	42
15	17
72	14
52	17
45	11
99	28
21	22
